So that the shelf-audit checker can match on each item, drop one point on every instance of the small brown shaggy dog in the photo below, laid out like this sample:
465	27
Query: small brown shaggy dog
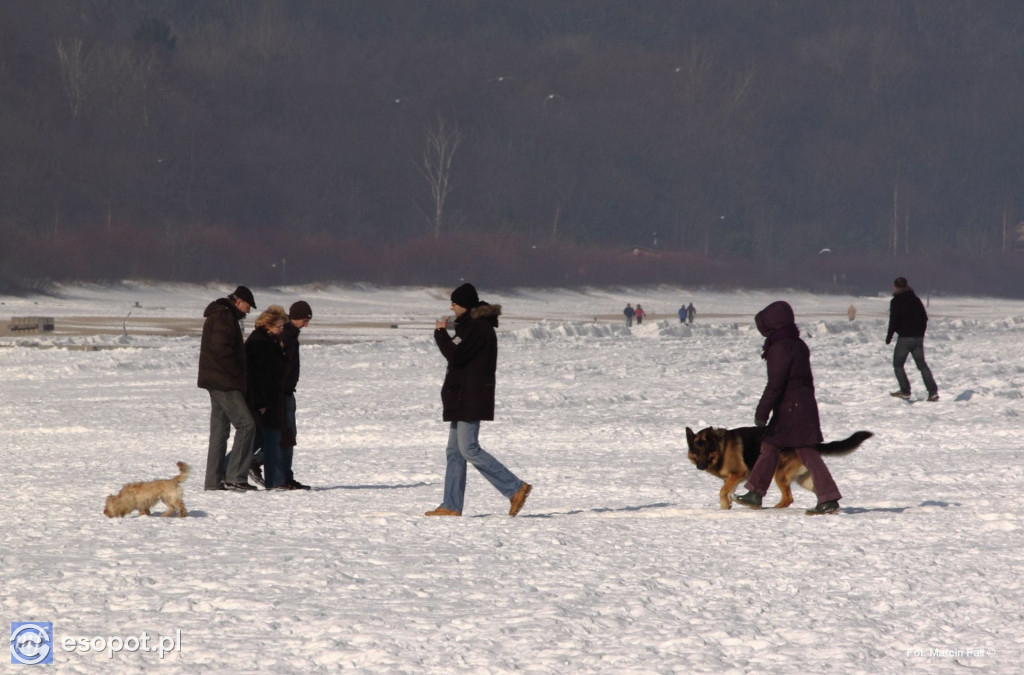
143	496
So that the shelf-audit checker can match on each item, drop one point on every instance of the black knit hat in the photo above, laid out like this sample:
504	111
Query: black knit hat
465	296
300	310
900	282
243	293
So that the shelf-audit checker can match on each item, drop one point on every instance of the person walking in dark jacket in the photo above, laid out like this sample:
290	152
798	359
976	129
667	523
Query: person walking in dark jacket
908	319
222	374
299	316
629	313
265	393
789	400
467	397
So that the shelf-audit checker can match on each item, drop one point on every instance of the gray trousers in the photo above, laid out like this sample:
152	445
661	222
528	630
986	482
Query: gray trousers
913	347
229	409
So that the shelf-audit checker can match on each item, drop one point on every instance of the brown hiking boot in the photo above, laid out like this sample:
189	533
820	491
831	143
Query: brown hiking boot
519	498
442	511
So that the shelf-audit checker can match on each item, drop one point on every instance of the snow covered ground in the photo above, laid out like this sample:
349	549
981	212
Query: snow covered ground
621	560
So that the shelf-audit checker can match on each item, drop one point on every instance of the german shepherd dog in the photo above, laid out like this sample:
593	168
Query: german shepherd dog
730	454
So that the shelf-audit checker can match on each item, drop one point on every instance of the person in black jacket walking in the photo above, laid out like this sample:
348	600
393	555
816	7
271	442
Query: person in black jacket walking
265	393
222	373
467	397
299	316
908	319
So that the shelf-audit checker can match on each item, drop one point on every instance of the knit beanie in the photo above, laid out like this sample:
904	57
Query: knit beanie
300	310
465	296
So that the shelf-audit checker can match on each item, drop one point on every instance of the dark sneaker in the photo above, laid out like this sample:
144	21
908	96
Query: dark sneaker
519	498
220	486
283	488
239	487
751	499
824	508
900	394
442	511
933	397
296	485
256	474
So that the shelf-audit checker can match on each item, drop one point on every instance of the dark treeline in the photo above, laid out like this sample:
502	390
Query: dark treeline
410	141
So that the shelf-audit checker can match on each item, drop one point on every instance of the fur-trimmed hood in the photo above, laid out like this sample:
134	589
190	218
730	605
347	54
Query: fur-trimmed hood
485	310
488	312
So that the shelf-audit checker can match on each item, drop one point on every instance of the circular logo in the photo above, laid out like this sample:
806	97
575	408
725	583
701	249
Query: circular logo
30	644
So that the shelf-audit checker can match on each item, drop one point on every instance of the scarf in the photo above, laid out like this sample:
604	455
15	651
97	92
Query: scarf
785	333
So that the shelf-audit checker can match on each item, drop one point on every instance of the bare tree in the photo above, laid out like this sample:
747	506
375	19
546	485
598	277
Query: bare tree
74	72
441	145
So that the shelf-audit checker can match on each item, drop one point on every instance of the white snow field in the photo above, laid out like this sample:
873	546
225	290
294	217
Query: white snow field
621	560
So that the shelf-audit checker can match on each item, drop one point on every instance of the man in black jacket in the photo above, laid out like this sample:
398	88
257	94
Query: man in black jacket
222	374
468	397
299	316
909	320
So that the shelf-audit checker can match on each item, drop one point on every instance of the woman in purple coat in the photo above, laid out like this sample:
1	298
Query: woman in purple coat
789	399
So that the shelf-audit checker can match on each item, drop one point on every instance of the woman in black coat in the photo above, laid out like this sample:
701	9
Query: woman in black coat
789	399
467	397
265	393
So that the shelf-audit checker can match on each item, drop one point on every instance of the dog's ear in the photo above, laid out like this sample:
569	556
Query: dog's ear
720	432
689	437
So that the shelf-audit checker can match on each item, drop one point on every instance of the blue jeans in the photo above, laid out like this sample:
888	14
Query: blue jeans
227	409
269	441
912	346
462	448
288	437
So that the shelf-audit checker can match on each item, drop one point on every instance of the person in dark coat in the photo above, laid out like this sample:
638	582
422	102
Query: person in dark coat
222	373
789	400
265	363
629	313
691	312
467	398
908	319
299	316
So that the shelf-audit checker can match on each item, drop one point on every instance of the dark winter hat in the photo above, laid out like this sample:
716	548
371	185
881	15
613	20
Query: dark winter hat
300	310
900	282
465	296
243	293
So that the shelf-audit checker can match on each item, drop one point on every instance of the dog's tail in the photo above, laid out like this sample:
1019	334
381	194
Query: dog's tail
183	468
845	446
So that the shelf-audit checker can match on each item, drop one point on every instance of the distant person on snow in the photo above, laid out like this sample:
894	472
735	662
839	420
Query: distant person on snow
640	314
851	312
691	312
630	313
682	314
908	319
789	399
467	397
222	374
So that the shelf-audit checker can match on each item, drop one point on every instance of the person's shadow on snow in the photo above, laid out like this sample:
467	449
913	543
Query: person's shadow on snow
855	510
370	487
